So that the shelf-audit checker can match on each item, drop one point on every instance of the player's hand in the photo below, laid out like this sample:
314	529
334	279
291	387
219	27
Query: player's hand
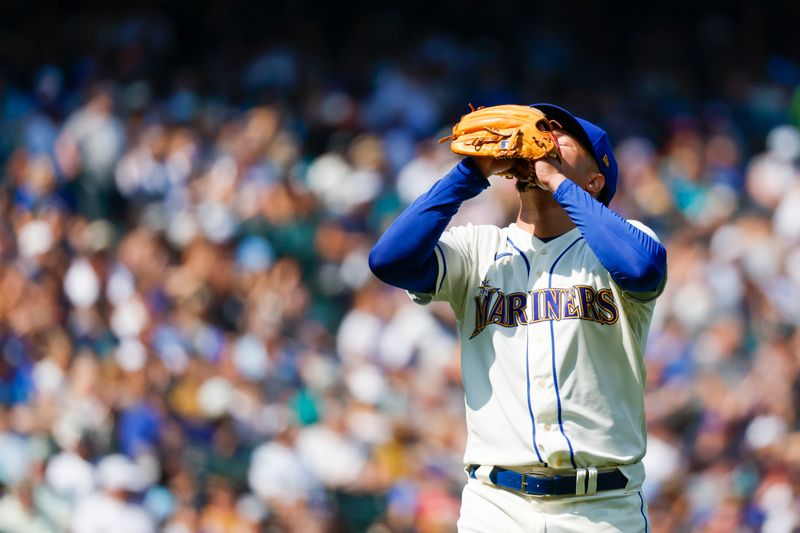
490	166
549	174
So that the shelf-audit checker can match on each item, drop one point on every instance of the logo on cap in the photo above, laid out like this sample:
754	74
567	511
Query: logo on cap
605	159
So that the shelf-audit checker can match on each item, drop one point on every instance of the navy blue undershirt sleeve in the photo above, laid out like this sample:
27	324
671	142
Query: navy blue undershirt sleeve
404	256
636	261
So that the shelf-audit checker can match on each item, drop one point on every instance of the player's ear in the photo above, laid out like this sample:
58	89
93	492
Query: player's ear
595	183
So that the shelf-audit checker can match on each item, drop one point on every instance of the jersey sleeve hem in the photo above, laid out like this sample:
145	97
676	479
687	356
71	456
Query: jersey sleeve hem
644	296
424	298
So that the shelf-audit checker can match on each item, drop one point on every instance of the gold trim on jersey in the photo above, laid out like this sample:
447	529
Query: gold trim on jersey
579	302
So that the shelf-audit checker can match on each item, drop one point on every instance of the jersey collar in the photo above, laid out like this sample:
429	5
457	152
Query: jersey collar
528	242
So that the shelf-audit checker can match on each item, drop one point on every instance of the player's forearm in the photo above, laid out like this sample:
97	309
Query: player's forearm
635	260
404	255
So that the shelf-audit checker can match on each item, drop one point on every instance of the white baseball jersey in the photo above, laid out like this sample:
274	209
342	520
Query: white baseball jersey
551	350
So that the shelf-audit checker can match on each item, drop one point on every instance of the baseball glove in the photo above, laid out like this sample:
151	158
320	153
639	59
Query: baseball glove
503	132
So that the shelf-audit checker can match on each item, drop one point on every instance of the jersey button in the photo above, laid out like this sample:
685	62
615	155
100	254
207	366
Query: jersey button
547	427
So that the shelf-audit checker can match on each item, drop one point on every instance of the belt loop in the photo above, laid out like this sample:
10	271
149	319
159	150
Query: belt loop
482	474
580	482
592	485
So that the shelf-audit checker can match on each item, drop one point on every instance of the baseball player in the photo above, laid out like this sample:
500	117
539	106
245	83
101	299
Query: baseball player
553	313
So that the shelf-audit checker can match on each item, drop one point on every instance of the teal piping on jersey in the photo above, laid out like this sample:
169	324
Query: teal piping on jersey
641	510
527	360
553	354
444	266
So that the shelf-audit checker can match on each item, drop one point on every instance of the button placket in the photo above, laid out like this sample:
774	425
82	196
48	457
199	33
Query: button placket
544	401
532	337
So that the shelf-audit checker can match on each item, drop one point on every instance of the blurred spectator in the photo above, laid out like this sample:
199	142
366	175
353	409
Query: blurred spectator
110	507
90	143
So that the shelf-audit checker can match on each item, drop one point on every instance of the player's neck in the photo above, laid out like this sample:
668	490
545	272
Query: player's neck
541	216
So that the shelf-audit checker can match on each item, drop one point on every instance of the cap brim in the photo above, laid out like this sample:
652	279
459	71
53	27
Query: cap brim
568	122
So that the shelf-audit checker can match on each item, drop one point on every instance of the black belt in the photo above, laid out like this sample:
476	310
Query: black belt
540	485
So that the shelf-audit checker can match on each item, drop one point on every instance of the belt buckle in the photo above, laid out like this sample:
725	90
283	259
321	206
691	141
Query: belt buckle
524	485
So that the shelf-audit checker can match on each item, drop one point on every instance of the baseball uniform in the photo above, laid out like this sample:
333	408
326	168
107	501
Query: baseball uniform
553	334
541	327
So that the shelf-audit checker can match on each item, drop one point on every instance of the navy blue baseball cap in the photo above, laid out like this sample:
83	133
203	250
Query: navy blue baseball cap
591	137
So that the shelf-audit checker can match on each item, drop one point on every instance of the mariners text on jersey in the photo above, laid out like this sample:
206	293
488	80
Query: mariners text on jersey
582	302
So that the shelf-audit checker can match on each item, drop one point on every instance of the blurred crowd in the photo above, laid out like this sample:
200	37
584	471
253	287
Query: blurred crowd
191	339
